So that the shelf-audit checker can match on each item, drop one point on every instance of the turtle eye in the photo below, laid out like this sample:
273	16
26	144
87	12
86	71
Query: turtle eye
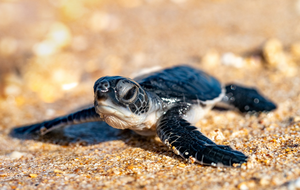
127	91
130	95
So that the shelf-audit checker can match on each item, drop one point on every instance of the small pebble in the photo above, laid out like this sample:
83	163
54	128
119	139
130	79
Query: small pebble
230	59
211	58
264	181
58	171
2	174
33	175
16	154
273	53
243	186
216	135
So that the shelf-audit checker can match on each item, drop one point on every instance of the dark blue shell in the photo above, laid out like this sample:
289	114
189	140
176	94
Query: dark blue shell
182	82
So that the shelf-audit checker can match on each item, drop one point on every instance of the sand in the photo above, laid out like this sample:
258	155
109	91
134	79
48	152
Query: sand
51	53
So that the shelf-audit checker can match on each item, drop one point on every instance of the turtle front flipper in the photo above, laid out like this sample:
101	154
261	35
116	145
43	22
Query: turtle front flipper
188	142
83	116
247	99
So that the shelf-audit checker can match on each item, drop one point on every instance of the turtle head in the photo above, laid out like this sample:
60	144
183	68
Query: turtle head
120	101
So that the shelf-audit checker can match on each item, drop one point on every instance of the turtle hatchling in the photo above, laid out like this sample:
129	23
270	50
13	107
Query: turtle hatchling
166	103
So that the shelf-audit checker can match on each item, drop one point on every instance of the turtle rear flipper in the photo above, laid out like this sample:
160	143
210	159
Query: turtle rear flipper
186	141
83	116
247	99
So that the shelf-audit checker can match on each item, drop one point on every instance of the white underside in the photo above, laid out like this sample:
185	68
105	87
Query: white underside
198	111
122	118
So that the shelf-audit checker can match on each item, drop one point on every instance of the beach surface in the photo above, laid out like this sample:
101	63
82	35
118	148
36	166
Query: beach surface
52	52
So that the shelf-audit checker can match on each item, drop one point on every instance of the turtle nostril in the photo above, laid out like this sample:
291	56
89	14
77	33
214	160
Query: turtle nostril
104	86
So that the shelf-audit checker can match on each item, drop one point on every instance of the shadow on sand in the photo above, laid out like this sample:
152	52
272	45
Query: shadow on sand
87	134
94	133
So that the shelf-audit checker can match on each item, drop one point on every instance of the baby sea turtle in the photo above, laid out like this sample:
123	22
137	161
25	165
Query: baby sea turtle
167	103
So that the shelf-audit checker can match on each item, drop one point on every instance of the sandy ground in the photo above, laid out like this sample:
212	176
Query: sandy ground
51	52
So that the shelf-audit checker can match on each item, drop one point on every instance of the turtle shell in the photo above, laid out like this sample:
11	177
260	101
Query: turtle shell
182	83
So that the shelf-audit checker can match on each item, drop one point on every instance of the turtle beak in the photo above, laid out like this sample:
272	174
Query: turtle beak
103	86
102	89
100	95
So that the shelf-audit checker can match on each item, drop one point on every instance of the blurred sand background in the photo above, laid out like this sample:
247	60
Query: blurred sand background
51	52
